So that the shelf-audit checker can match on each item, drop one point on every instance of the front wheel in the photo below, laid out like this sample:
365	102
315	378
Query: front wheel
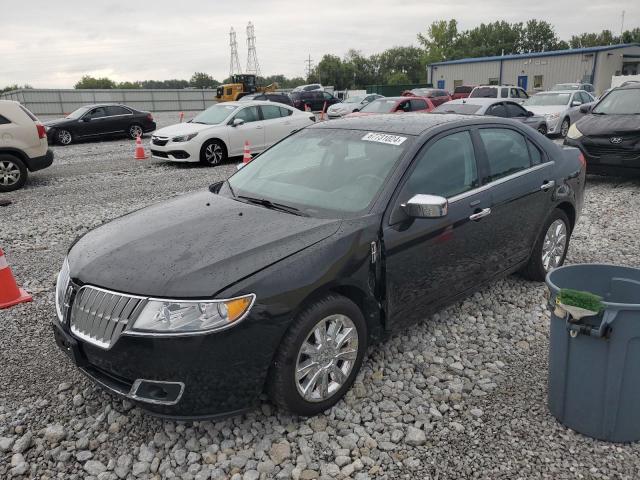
550	249
64	137
213	153
135	131
319	357
564	128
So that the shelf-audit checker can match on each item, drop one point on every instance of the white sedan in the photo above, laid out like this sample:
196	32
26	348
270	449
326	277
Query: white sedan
220	131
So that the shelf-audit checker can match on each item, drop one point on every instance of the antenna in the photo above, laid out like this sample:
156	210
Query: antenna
234	66
252	57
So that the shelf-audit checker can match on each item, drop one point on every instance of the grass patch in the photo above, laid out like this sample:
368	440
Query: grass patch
578	298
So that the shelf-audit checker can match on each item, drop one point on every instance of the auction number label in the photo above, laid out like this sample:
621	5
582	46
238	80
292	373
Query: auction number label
384	138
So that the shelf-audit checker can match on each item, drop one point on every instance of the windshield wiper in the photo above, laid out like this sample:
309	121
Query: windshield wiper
273	205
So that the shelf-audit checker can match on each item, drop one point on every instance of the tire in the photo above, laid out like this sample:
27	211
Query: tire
542	129
64	137
212	153
13	173
134	131
285	386
535	268
564	127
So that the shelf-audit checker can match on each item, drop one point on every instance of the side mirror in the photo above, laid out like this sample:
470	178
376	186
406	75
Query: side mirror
237	122
356	109
530	113
585	108
426	206
576	103
86	119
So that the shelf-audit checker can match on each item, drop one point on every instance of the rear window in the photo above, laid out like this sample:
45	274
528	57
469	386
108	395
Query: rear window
463	108
29	114
484	92
463	89
4	120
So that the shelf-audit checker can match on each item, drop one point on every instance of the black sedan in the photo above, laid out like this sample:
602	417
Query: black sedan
98	121
281	277
609	136
495	108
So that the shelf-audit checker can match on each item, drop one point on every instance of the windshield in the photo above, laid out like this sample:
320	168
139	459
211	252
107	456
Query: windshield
380	106
322	172
620	102
484	92
566	86
356	99
78	113
463	108
548	99
215	115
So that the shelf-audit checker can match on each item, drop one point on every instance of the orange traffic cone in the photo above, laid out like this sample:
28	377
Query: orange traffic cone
140	154
324	109
246	157
181	116
307	108
10	293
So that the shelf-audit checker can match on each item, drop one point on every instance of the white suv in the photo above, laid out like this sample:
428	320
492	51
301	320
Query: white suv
23	145
515	94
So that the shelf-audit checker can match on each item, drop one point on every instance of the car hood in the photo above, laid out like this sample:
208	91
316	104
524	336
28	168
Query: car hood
191	247
608	124
183	129
58	122
545	109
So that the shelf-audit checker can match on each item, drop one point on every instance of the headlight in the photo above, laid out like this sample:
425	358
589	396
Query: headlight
184	138
181	317
552	116
574	133
61	287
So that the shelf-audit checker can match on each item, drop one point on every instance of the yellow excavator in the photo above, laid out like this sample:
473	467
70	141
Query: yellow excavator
241	85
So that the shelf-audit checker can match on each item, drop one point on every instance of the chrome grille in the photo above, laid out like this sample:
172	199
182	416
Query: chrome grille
99	316
160	141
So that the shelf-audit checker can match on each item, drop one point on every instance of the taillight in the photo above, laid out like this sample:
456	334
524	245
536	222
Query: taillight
583	161
42	132
149	117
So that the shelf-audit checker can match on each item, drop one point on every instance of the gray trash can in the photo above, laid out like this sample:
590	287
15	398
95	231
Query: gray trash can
594	363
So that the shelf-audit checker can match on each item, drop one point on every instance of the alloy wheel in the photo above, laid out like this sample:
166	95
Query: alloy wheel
564	128
213	153
9	173
135	131
326	358
64	137
554	246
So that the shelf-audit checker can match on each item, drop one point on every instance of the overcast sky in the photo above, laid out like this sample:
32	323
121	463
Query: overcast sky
51	45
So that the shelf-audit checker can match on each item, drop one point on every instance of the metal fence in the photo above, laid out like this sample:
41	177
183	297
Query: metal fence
59	102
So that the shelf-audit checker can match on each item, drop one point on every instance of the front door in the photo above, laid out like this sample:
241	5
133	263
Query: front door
441	84
252	130
522	82
95	122
430	260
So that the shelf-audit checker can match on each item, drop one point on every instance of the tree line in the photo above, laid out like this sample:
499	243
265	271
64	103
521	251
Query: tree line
442	40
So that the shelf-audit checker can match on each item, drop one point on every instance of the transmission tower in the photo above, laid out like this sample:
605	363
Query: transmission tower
234	66
252	57
309	66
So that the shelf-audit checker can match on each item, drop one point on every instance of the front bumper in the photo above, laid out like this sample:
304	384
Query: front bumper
175	151
214	375
38	163
605	159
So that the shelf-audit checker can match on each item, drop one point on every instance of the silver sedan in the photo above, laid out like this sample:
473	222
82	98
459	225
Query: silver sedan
351	104
560	109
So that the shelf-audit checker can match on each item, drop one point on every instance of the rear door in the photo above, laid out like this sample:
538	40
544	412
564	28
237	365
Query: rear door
120	117
276	125
418	104
520	181
497	110
429	260
252	130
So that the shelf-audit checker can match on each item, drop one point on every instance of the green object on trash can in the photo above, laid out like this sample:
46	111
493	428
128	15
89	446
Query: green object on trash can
579	303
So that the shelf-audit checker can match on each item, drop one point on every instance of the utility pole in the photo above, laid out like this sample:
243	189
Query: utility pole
622	26
309	66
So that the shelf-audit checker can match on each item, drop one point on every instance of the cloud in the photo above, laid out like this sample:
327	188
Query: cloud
51	46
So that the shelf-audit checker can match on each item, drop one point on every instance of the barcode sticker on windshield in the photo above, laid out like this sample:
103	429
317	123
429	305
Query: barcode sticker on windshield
384	138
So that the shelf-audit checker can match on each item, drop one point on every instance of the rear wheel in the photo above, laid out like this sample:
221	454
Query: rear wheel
319	357
64	137
564	128
135	131
213	153
551	247
13	173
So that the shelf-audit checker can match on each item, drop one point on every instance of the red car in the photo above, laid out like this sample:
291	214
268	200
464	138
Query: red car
436	95
462	91
395	105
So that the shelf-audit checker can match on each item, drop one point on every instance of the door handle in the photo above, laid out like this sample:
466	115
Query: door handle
547	185
259	128
481	214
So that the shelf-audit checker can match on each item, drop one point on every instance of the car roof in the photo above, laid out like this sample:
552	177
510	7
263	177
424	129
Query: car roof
407	123
559	91
478	101
629	86
250	102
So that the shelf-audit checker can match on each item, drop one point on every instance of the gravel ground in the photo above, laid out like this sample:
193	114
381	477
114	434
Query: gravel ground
461	395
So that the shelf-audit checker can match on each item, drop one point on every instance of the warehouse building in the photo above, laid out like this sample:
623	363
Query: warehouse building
541	70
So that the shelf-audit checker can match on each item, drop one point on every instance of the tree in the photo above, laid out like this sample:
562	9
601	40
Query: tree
406	60
15	86
631	36
88	81
538	36
203	80
398	78
129	85
594	39
331	70
439	41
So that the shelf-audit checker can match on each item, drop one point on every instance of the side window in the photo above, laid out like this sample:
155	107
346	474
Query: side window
4	120
515	110
327	96
504	92
285	112
117	110
523	94
229	91
98	112
513	93
270	112
585	97
403	106
418	104
248	114
497	110
447	168
534	153
507	152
